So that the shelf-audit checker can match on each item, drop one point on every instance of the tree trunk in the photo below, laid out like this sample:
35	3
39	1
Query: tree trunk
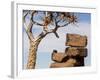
33	50
32	54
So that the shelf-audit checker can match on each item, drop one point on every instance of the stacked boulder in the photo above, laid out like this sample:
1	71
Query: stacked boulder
73	55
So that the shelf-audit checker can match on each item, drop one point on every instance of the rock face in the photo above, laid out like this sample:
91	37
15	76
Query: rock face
58	56
76	40
74	53
69	63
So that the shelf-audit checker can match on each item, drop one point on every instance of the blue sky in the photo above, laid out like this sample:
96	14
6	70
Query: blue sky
50	42
82	17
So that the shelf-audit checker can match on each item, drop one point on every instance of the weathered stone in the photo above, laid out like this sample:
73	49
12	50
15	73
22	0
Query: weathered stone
73	55
76	40
58	56
76	51
69	63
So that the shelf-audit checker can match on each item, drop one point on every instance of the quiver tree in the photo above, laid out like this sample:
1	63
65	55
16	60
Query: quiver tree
44	19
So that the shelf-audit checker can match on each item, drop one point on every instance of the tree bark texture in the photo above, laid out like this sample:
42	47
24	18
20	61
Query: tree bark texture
32	54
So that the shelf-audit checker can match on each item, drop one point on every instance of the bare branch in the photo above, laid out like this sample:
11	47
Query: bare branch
71	19
38	23
58	26
56	34
28	28
64	25
25	17
24	22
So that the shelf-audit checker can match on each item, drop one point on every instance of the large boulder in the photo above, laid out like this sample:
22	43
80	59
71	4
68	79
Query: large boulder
76	40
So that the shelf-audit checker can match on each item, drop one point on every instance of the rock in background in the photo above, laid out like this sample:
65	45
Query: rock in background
73	55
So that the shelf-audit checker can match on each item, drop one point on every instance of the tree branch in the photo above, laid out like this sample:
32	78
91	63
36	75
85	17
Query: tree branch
28	28
56	24
25	17
38	23
64	24
56	34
